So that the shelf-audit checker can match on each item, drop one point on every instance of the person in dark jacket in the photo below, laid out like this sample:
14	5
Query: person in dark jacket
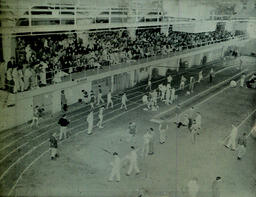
53	146
63	122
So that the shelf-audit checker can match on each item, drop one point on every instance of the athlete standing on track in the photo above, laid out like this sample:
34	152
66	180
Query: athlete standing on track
123	101
109	99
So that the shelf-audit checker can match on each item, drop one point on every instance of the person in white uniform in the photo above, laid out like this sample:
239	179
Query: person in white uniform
90	122
173	96
200	76
242	80
99	124
42	73
182	82
149	86
27	78
123	101
116	166
162	133
109	99
163	92
145	148
15	77
168	95
232	138
133	161
198	121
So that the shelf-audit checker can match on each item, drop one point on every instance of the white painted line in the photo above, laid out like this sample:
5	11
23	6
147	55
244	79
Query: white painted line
7	155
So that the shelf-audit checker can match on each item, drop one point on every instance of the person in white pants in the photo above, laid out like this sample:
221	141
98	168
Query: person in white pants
232	138
132	157
162	133
100	99
27	78
163	91
168	95
90	122
116	166
200	76
35	118
42	73
242	80
15	77
145	148
123	102
99	124
109	99
149	86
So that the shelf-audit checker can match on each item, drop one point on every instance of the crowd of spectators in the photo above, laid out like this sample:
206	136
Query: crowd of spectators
43	60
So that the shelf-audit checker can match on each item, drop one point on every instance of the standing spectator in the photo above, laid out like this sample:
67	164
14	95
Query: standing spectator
216	187
16	81
21	79
2	74
64	105
123	101
92	100
173	96
169	79
162	133
182	82
90	122
167	96
116	166
241	149
27	77
63	122
42	73
232	138
194	132
109	99
53	146
132	157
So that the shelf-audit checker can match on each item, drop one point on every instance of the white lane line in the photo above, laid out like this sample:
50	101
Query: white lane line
42	154
52	124
244	121
7	155
83	131
221	70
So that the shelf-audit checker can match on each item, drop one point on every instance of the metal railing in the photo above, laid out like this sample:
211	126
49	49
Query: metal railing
128	62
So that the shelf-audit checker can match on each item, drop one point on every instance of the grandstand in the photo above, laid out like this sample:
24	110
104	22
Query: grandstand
57	57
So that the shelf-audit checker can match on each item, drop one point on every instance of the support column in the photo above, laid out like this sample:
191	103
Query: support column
56	102
132	78
8	42
112	83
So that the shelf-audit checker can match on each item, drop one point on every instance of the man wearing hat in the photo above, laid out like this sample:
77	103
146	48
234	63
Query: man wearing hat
53	146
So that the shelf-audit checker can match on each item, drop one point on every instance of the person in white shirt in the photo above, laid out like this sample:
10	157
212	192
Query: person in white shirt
123	101
182	82
232	138
200	76
100	99
168	95
90	122
173	96
99	124
145	148
27	77
116	166
15	78
198	121
42	73
109	99
162	133
133	161
149	86
20	78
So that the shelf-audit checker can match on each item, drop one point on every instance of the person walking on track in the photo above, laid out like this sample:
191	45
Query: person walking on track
109	99
123	101
53	146
99	124
133	161
241	146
